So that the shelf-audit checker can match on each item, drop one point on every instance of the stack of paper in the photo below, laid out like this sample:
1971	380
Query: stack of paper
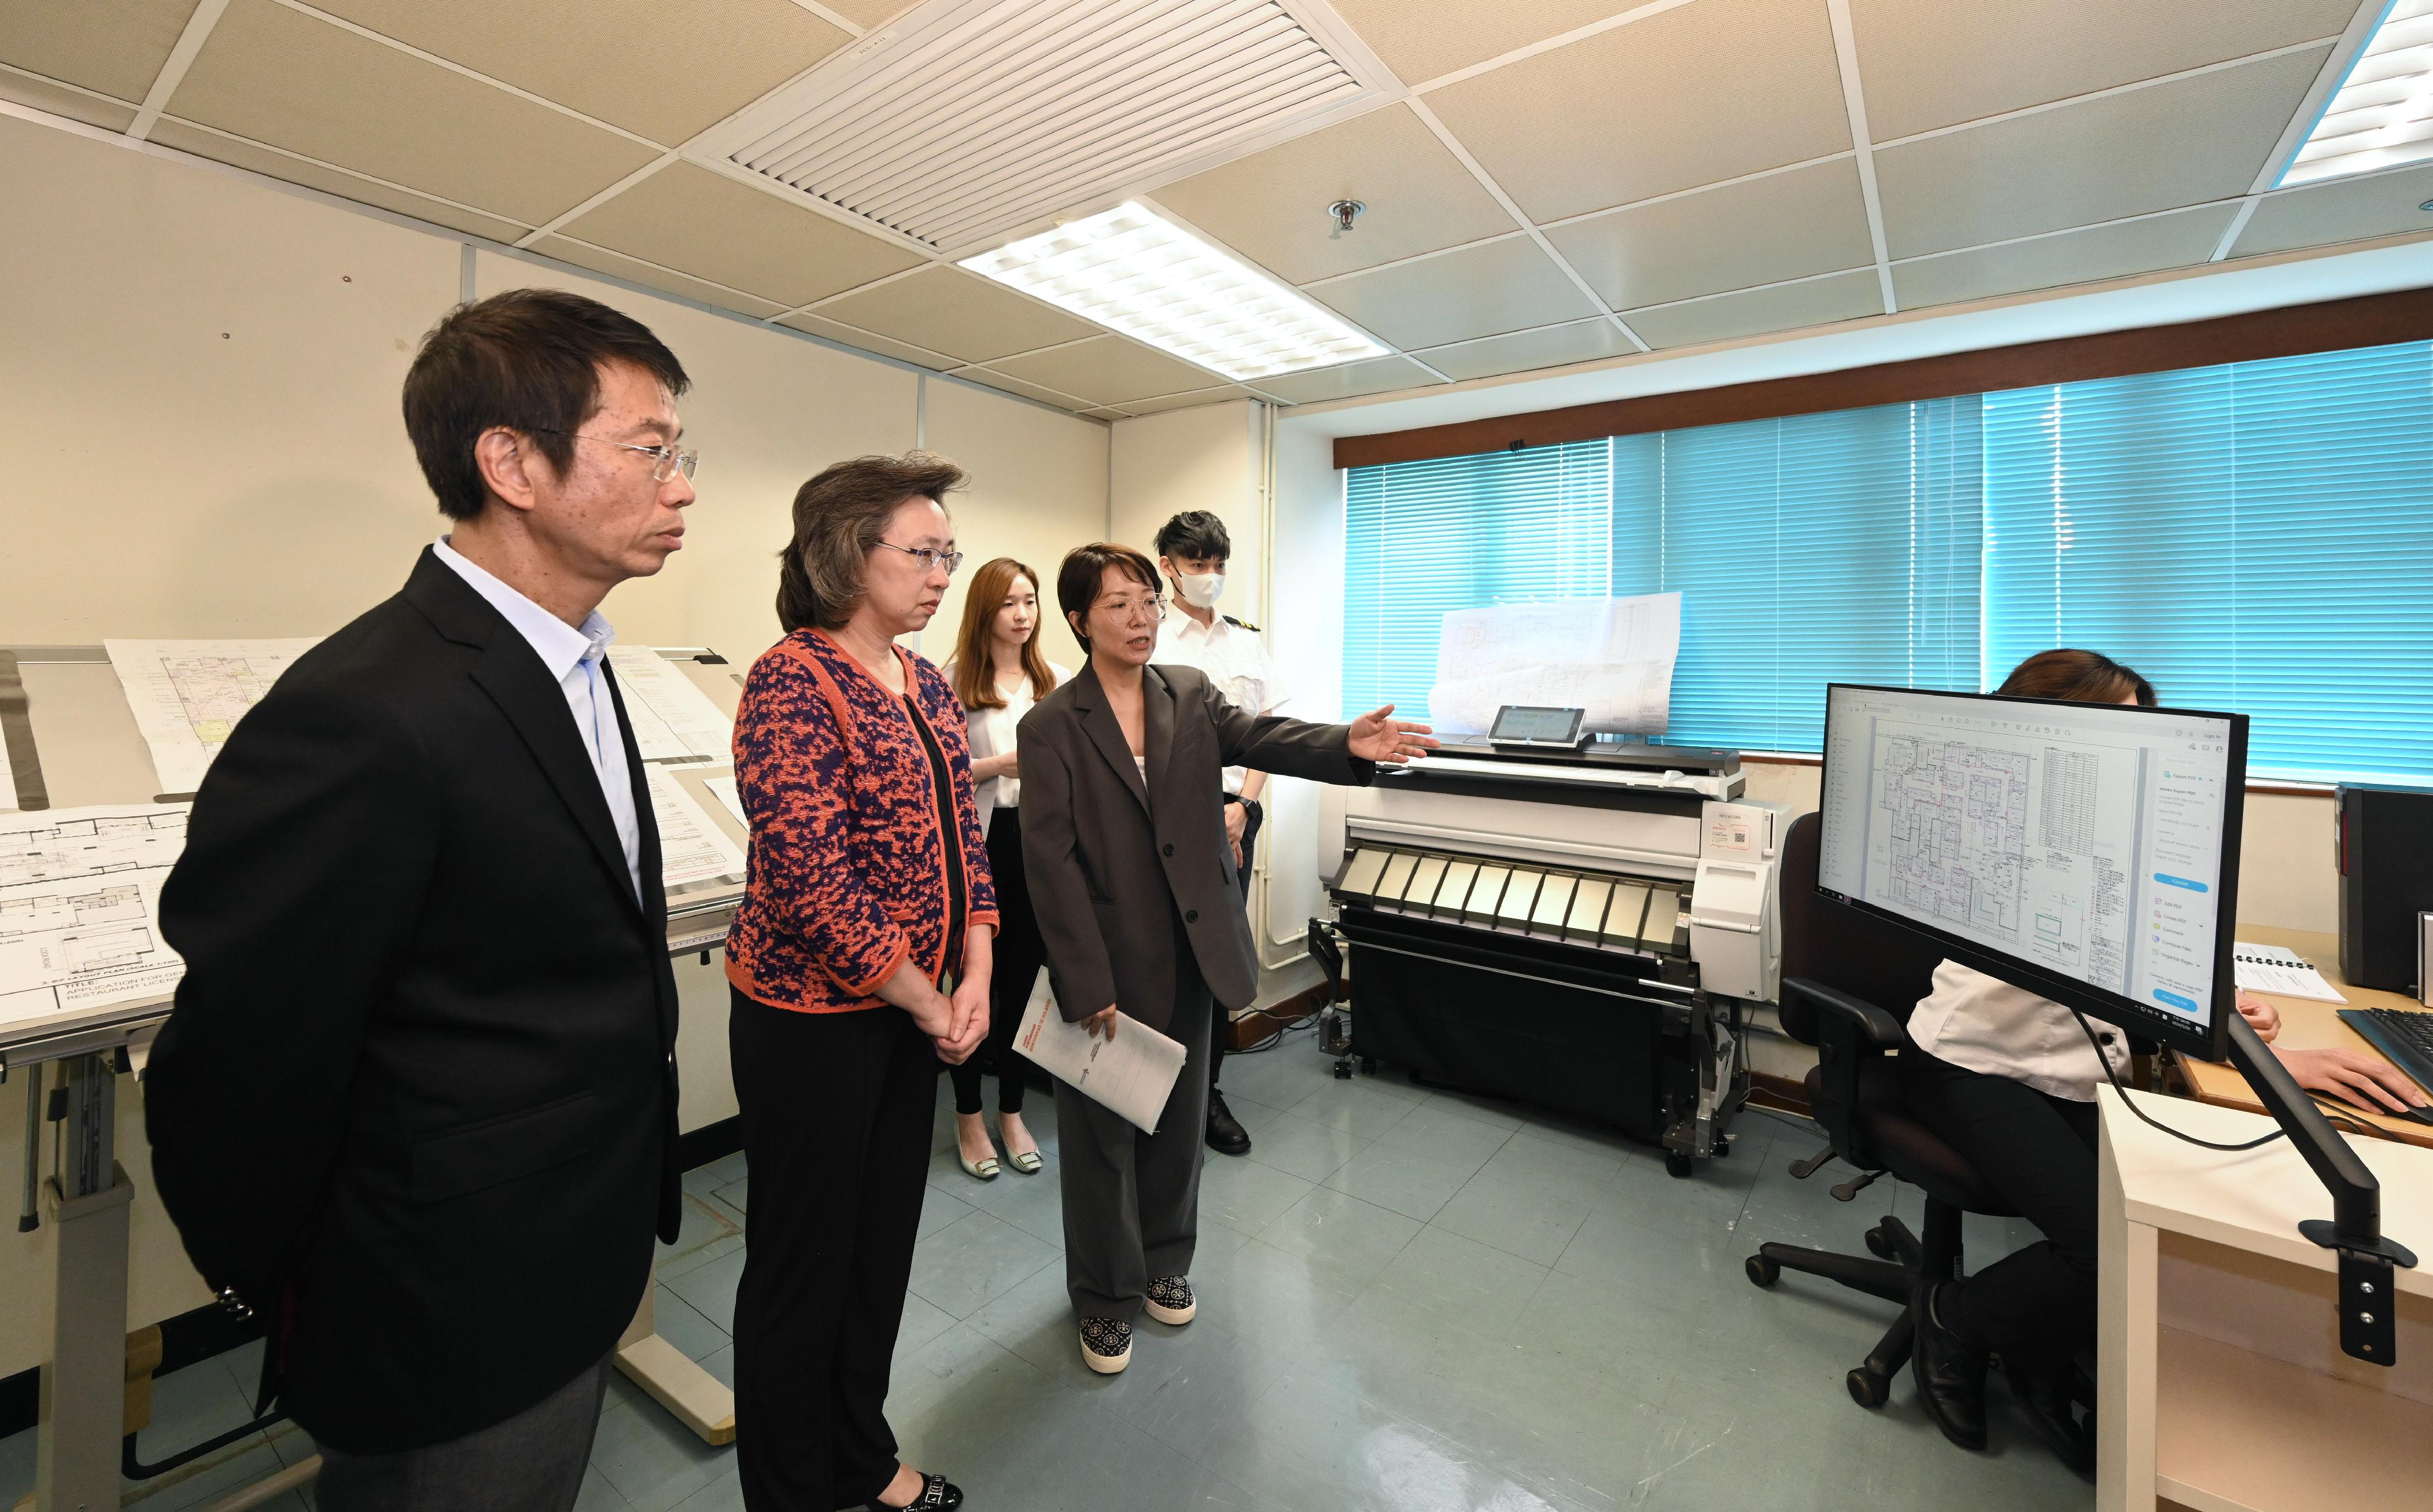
2271	969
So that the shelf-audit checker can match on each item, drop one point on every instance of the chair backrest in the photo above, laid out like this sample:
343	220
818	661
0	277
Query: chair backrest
1841	946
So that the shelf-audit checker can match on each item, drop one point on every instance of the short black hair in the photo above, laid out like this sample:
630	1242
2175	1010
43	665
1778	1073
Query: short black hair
528	360
1084	572
1195	533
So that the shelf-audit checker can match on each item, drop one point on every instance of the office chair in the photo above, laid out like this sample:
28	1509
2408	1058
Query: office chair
1849	981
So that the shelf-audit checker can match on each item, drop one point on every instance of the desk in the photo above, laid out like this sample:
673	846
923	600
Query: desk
2307	1025
2220	1381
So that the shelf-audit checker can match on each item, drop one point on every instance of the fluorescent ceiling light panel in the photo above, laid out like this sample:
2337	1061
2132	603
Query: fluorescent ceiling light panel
2382	114
1156	282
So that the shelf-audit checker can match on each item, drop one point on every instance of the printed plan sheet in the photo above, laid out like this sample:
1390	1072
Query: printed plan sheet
80	908
672	719
723	789
8	779
1611	657
187	695
693	847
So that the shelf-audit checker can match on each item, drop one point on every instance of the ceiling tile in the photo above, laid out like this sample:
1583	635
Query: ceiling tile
1685	98
1420	40
169	132
664	71
2339	209
281	77
116	46
1479	291
956	312
686	216
1756	312
1928	63
1271	206
1104	414
2161	147
2180	239
1033	391
1351	381
616	264
1788	225
1108	370
1222	394
837	332
57	99
867	14
1523	351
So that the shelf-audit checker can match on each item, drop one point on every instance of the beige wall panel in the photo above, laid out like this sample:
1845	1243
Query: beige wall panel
1758	311
281	77
262	160
959	313
1351	381
255	484
1038	489
1928	63
1787	225
1271	206
855	336
1108	370
1708	92
1553	347
1420	40
2288	873
2172	145
1479	291
116	46
2342	209
766	411
58	99
663	71
2181	239
1160	466
617	265
708	225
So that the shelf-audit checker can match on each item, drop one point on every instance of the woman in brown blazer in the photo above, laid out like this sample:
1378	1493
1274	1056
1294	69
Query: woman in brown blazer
1132	882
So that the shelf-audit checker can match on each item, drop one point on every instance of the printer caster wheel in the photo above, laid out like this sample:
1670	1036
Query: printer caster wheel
1343	1069
1867	1388
1676	1165
1761	1271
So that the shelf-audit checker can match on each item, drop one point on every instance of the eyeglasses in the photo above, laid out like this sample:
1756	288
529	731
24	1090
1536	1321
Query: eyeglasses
666	462
930	558
1152	606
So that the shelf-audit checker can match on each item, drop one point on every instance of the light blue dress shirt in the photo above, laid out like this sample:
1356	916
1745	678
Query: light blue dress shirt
573	657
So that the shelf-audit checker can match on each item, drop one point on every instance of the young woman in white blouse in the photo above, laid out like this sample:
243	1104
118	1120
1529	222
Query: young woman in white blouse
998	674
2008	1080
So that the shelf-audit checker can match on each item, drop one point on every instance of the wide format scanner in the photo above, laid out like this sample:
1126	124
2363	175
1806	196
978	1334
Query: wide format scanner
1577	925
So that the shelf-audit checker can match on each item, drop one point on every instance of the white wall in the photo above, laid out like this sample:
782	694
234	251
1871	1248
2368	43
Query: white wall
205	371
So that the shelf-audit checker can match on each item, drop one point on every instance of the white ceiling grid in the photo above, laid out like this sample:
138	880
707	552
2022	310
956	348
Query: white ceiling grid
874	143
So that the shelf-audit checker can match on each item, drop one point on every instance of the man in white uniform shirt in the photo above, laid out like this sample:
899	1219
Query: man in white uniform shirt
1192	551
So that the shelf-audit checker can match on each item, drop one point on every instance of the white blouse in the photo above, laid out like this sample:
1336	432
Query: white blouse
992	734
1977	1022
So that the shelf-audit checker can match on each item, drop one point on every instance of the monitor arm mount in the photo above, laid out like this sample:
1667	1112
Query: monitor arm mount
2368	1306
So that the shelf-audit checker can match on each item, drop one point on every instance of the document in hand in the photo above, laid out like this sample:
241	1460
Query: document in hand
1130	1073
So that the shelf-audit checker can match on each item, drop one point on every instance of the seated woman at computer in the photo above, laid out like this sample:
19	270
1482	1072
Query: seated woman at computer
2008	1080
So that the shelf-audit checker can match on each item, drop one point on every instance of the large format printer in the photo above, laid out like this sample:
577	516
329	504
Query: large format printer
1572	923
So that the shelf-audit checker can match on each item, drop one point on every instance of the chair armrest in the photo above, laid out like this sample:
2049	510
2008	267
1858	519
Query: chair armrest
1876	1029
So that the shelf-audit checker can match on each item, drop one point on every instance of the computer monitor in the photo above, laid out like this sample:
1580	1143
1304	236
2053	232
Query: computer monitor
2086	851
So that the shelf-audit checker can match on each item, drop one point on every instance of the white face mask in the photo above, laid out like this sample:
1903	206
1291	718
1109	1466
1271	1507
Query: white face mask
1200	589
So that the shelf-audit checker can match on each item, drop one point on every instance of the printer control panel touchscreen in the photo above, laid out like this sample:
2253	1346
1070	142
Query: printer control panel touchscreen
1521	724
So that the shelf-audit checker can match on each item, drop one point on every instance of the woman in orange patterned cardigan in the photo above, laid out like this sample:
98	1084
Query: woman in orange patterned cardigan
869	888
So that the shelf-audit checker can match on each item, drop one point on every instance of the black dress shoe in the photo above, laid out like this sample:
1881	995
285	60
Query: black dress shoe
2046	1398
1949	1371
937	1494
1226	1135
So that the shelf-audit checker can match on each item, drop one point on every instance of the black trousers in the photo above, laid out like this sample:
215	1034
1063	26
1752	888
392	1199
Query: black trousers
1017	955
1220	1024
2035	1307
835	1113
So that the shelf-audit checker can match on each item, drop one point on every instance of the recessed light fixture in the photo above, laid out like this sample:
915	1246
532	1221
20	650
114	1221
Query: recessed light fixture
2382	114
1128	269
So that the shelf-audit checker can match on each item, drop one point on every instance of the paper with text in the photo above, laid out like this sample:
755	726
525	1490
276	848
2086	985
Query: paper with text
1129	1074
671	718
188	695
1613	657
2271	969
80	908
693	847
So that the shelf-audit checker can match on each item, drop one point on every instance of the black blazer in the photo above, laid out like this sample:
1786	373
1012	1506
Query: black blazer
417	1100
1111	864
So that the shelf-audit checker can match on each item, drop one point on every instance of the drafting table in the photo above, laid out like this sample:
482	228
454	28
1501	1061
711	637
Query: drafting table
72	742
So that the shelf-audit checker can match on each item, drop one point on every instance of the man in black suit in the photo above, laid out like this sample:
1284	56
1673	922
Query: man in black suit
416	1104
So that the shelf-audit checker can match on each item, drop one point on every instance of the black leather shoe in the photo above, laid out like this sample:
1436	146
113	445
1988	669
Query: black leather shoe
2046	1398
1949	1371
937	1494
1226	1135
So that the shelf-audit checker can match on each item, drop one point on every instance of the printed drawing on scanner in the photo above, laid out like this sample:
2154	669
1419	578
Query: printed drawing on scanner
80	908
1613	657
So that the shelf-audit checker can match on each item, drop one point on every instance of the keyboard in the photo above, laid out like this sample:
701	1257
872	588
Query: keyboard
2405	1039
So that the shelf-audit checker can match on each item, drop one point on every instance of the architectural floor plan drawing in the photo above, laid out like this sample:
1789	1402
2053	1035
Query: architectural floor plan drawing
79	908
187	695
1958	817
